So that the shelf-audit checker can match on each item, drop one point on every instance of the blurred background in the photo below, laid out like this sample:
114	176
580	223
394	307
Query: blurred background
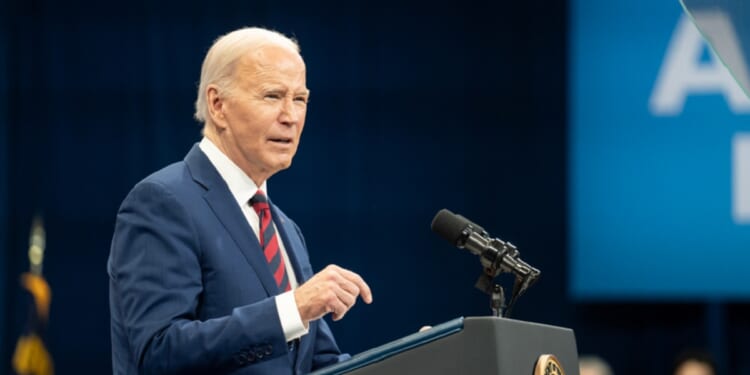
604	139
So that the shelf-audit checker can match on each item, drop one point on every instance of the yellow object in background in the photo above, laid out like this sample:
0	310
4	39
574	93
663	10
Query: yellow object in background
39	289
31	356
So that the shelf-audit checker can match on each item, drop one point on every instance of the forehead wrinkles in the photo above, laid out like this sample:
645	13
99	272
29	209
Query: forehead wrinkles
272	65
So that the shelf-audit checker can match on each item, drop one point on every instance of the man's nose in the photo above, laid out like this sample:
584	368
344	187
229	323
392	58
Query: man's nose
290	114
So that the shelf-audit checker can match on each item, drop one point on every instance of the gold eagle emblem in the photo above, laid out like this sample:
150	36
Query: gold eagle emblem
547	364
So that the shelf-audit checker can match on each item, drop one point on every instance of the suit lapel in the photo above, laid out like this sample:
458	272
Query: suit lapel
224	206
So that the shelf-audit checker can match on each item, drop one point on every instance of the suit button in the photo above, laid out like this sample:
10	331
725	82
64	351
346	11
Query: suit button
240	358
269	350
250	357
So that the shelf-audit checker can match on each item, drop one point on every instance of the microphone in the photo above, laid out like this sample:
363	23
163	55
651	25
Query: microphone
496	255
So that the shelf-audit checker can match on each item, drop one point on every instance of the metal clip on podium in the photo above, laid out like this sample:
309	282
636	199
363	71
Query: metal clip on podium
476	345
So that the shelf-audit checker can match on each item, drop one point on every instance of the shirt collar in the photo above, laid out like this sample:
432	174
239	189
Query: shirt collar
240	184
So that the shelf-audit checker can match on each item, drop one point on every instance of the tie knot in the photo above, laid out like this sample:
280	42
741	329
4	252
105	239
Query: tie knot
259	201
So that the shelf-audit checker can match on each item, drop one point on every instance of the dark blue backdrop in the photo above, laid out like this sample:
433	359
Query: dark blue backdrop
415	107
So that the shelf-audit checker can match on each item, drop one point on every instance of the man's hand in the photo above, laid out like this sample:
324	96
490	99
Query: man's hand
332	290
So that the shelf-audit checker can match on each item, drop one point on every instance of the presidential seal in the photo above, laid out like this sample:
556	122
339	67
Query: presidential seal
547	364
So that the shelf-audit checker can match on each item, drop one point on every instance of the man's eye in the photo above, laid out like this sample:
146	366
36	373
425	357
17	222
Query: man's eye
301	99
273	96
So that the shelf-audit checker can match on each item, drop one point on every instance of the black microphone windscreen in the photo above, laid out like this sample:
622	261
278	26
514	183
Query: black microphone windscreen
449	226
476	226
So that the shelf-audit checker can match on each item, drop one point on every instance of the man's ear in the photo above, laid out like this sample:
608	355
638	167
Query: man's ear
216	107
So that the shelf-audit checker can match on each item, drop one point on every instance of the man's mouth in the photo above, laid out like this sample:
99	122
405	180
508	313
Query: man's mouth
281	140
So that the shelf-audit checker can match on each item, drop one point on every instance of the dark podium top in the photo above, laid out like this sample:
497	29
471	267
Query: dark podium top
474	345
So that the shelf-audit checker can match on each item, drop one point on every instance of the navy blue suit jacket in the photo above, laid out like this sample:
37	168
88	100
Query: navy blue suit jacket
190	289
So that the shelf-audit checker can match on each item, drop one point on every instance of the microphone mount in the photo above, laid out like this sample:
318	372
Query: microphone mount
495	255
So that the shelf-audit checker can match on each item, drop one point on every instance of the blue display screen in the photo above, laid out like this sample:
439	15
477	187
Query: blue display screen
659	157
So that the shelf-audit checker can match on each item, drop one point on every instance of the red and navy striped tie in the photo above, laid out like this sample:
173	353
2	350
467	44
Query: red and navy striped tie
269	241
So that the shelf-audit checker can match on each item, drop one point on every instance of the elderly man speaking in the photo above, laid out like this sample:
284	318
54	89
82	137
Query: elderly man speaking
207	276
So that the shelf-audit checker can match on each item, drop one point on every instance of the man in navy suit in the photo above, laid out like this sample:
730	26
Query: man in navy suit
207	275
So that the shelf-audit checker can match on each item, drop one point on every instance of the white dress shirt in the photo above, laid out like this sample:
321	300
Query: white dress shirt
243	188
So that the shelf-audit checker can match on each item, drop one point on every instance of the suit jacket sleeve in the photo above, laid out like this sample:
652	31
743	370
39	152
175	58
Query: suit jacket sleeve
156	276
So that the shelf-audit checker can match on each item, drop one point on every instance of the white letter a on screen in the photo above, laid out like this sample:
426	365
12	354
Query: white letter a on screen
682	73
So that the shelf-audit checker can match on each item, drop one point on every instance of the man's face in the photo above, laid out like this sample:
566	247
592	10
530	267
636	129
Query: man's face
261	120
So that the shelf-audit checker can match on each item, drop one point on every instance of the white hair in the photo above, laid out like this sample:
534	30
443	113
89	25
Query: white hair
221	59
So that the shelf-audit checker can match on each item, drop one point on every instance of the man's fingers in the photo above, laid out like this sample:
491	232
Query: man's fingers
334	290
364	289
339	309
348	287
347	297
